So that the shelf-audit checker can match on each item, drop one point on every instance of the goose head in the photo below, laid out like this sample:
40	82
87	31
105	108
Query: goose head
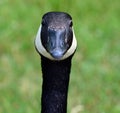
55	39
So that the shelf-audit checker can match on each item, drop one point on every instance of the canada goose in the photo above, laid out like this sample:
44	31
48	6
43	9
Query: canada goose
56	44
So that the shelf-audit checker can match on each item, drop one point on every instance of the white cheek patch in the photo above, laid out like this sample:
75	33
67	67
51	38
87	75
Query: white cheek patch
40	48
73	47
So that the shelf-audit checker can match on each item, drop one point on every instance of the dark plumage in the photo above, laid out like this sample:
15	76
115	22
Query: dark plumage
55	85
56	43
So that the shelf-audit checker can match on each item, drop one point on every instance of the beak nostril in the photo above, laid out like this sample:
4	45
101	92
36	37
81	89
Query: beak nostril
65	40
62	44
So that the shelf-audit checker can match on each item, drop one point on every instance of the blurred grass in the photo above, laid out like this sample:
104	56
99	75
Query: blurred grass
95	78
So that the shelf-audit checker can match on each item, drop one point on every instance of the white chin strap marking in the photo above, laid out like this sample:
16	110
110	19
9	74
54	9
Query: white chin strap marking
43	51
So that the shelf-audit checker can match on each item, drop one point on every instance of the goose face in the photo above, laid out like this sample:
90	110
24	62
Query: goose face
56	35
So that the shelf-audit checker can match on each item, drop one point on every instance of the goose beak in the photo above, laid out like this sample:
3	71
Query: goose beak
56	43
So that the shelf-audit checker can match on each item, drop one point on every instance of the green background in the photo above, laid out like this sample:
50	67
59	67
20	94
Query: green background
95	79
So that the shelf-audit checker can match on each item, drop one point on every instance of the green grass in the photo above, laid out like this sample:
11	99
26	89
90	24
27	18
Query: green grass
95	78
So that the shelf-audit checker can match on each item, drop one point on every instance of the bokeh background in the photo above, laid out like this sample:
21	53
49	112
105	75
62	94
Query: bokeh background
95	79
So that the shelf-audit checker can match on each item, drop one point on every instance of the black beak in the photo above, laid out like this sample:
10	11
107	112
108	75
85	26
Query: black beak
56	45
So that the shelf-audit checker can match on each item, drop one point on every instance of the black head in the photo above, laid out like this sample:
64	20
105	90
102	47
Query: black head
56	35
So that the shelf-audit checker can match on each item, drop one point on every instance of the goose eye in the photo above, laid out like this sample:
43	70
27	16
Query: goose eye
43	22
71	23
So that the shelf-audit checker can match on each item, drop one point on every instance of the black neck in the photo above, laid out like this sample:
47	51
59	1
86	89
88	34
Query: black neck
55	85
